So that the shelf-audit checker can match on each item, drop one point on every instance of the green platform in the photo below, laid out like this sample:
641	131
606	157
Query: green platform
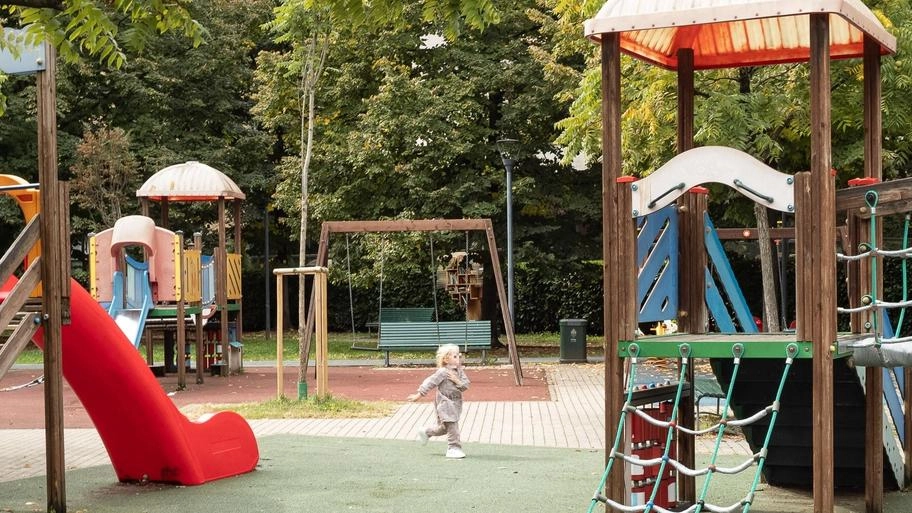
716	345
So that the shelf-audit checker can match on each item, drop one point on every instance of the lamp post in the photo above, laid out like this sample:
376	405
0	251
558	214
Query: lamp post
506	148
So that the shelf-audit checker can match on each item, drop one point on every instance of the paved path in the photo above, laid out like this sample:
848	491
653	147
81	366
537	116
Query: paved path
573	418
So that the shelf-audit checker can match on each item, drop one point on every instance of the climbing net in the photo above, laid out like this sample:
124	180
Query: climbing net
671	426
870	302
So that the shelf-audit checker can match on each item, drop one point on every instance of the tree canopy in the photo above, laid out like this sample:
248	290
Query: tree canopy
104	30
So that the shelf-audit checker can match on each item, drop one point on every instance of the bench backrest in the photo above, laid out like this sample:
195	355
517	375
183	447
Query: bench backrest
406	314
433	334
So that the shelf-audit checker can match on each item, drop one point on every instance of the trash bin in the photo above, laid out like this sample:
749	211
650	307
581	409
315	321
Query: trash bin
573	340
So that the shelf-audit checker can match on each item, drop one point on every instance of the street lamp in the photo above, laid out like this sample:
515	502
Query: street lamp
507	150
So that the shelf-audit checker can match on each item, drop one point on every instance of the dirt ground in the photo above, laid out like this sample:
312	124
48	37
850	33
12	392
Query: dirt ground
23	407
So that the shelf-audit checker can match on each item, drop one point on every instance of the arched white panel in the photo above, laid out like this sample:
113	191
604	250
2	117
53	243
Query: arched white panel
719	164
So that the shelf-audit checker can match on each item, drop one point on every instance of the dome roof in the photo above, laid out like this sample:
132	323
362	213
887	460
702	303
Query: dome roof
190	181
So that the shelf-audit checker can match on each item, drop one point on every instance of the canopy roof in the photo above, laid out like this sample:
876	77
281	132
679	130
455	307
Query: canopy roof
190	181
733	33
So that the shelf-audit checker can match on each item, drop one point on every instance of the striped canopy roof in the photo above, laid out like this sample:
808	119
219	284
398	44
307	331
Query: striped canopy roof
733	33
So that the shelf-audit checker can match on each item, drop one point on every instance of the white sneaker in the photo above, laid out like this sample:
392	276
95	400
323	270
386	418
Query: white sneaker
422	436
455	453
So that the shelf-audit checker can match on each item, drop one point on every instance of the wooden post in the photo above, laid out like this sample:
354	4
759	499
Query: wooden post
685	99
823	194
616	486
322	362
692	317
221	278
280	339
239	250
873	375
318	313
504	307
52	280
198	245
180	308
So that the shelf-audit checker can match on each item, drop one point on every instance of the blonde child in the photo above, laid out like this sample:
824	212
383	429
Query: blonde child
450	381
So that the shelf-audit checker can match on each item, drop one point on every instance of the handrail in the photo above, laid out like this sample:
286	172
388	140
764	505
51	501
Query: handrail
16	253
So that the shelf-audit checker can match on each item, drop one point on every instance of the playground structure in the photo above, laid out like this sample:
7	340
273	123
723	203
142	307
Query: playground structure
123	399
728	33
424	339
170	284
120	394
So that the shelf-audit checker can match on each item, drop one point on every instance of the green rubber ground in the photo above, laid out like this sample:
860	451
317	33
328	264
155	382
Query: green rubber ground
328	475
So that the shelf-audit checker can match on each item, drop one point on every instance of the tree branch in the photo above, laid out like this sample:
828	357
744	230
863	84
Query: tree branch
37	4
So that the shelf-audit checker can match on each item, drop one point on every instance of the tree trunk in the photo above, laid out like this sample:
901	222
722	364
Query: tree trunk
770	302
306	152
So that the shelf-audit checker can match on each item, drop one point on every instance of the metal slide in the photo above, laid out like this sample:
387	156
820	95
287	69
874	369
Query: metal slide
132	300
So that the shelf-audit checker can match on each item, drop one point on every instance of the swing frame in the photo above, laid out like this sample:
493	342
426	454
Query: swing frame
421	225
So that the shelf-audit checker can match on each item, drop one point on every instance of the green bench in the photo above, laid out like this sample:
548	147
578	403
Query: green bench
408	314
427	336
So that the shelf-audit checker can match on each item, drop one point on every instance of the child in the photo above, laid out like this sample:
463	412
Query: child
450	380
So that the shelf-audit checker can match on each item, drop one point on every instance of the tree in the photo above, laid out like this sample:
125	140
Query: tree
104	173
309	36
176	101
307	27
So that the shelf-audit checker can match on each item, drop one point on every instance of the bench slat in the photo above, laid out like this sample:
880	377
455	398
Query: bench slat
424	335
406	315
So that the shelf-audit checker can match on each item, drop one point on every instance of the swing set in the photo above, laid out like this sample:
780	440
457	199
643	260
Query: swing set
418	328
400	333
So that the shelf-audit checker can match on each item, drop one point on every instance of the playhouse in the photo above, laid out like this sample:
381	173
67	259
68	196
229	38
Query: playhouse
167	285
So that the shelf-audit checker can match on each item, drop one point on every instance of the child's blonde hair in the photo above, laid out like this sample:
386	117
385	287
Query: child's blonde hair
444	350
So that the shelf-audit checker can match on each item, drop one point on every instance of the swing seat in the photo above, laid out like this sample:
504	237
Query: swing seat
427	336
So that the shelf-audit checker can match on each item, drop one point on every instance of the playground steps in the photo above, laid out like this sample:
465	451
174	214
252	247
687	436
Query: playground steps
790	458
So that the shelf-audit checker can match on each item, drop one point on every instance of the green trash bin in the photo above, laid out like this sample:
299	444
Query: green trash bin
573	340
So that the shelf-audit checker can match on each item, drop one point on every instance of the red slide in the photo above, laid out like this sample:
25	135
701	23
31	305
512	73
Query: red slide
146	436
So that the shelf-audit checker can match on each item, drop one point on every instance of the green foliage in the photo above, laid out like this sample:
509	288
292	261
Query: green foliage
93	27
450	15
176	101
405	129
543	298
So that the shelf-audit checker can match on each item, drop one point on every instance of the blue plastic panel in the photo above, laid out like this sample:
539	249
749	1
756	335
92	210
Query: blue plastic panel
727	282
657	261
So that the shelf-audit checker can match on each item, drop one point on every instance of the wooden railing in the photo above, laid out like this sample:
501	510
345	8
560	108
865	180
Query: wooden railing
16	325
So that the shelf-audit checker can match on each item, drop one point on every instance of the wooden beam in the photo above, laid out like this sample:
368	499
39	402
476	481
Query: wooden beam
52	254
693	260
616	486
685	133
873	375
504	307
405	225
753	234
803	258
16	253
420	225
824	270
852	198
